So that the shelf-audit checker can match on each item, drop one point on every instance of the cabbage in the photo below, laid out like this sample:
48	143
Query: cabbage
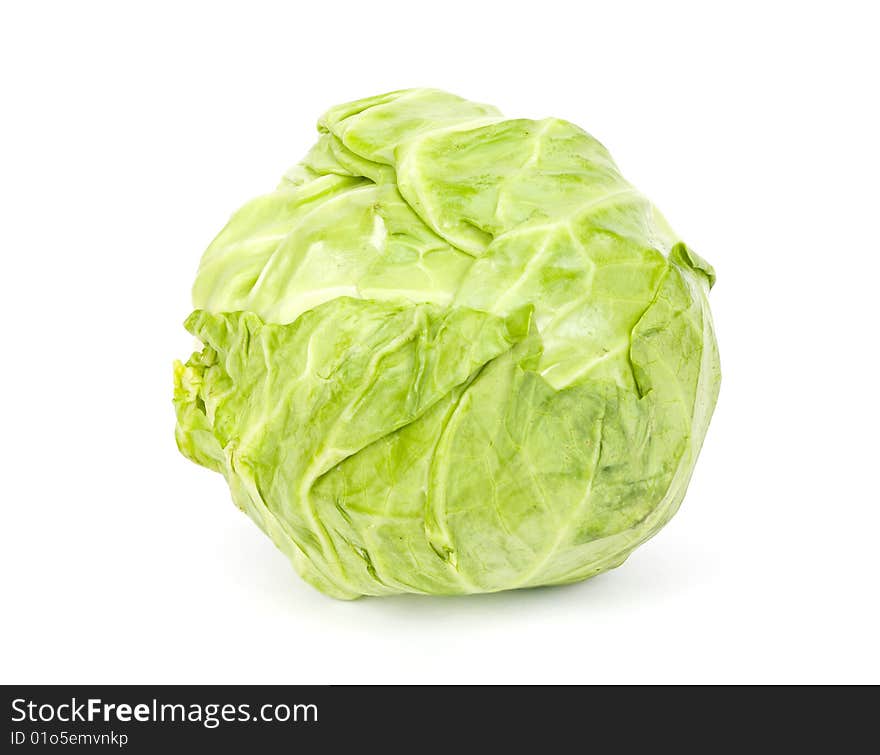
450	353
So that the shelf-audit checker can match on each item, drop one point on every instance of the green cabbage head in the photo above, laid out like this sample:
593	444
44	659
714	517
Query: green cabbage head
451	352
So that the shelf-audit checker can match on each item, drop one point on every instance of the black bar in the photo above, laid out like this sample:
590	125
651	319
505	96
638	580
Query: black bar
408	719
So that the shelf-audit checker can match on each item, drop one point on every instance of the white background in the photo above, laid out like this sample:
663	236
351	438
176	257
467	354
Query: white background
128	136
